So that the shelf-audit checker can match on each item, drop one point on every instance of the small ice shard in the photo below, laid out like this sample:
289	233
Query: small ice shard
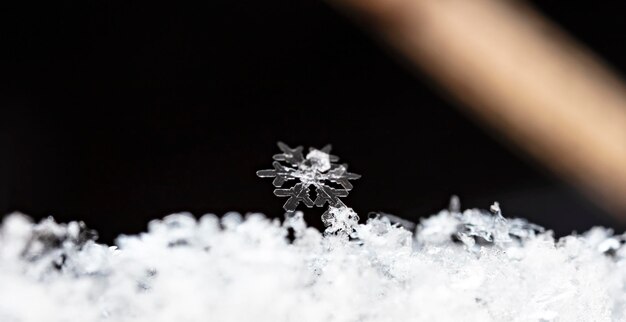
340	219
495	209
394	220
477	228
455	204
319	160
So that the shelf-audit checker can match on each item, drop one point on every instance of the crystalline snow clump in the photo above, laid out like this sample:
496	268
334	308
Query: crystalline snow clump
458	266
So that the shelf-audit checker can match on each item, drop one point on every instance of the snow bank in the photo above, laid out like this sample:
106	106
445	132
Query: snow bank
469	266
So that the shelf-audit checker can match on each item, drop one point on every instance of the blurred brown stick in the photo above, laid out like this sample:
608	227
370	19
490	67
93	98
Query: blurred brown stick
518	73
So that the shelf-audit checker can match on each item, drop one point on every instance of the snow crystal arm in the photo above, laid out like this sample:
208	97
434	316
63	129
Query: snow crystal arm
292	156
339	174
296	194
280	173
330	195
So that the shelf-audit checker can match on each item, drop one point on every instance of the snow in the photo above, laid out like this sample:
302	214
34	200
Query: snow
473	265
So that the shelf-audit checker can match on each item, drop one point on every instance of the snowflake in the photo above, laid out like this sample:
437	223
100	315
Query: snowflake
317	170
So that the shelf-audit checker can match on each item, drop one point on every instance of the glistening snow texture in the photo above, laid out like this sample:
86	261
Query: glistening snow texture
470	266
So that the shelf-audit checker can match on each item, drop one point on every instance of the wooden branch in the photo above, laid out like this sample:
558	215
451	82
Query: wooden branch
518	73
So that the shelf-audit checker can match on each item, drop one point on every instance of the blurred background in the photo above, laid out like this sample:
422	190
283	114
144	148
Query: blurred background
118	112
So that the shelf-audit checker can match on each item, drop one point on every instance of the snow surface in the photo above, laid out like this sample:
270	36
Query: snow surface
469	266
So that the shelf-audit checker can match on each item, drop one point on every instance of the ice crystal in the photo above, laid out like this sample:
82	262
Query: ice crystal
318	170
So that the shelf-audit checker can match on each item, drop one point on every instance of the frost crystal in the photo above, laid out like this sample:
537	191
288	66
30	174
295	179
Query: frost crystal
317	170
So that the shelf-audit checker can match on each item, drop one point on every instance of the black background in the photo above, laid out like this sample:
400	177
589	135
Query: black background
116	112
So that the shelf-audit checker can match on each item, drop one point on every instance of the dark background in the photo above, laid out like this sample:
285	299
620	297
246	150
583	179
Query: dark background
116	112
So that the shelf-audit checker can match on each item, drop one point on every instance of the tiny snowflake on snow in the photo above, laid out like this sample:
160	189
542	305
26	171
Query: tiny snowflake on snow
318	170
